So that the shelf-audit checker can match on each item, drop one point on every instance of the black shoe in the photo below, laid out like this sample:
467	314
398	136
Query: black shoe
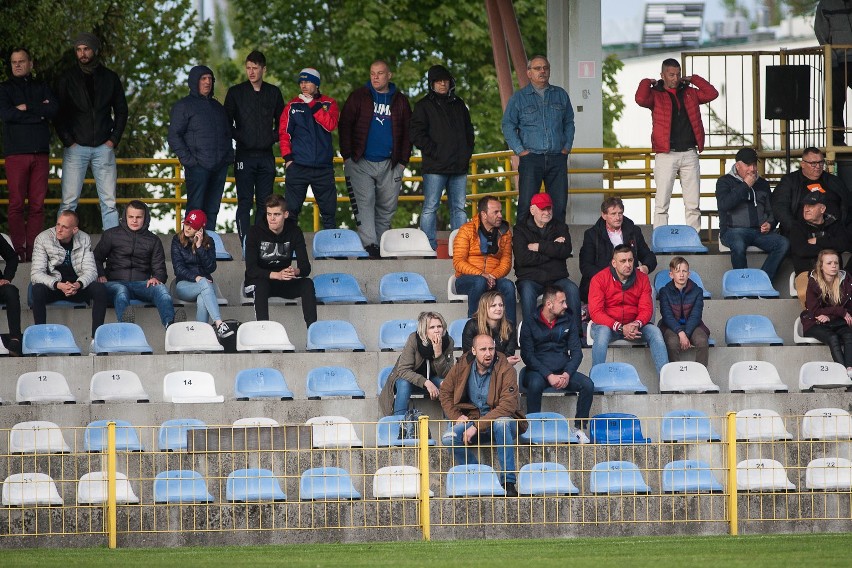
129	315
374	251
223	330
510	489
180	315
14	347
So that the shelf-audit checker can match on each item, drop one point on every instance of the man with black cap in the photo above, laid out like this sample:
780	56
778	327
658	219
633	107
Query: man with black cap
304	132
745	214
441	128
91	119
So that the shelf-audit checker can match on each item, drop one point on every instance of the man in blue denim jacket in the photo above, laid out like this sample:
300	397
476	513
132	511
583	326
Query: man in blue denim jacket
538	125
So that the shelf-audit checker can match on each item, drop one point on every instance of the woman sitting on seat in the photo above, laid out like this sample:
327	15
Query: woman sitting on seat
193	261
828	308
425	359
490	319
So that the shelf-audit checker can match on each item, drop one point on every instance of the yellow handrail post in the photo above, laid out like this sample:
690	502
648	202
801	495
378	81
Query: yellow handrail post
731	441
423	446
178	185
111	506
648	189
316	213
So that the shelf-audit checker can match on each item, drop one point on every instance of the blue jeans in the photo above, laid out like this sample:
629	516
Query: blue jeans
552	169
502	435
204	190
433	186
529	291
204	296
404	390
476	286
651	335
75	161
122	292
255	176
739	239
535	383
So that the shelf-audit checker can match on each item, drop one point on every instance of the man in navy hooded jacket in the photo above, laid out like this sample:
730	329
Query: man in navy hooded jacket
200	136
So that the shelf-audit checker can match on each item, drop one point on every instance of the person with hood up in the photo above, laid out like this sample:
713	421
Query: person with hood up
200	136
131	262
441	128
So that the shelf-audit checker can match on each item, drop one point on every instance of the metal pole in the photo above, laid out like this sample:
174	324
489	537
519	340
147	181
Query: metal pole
423	447
111	506
731	441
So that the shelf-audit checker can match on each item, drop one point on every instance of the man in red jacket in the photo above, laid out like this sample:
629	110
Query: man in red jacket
677	136
621	307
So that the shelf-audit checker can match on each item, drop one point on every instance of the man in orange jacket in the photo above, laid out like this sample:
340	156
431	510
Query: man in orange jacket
482	257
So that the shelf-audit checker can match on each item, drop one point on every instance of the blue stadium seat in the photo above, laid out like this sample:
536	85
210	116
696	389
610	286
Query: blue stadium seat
338	288
689	476
221	252
404	287
616	428
617	477
750	329
261	382
394	333
332	381
671	239
382	378
333	335
338	243
473	480
687	426
663	277
456	329
57	303
547	428
173	433
388	433
49	339
180	486
126	438
547	478
747	283
120	338
327	484
617	377
251	485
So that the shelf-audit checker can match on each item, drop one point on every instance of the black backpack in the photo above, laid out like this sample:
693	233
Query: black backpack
230	342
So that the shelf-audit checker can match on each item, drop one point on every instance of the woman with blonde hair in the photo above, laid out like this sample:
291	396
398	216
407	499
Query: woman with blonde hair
828	308
490	319
425	359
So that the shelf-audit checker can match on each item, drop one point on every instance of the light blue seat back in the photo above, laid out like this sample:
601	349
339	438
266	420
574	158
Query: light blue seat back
749	329
617	477
173	433
687	426
663	277
616	428
338	243
473	480
547	478
332	381
221	252
180	486
338	288
49	339
689	476
617	377
382	378
547	428
456	330
121	337
335	335
126	438
747	283
388	432
261	382
327	484
669	239
248	485
394	333
404	287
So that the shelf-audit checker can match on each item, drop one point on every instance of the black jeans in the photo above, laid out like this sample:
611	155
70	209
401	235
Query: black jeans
839	341
10	296
299	288
321	181
94	292
255	176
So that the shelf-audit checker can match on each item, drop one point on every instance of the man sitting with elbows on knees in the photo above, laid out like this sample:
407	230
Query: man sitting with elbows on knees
480	394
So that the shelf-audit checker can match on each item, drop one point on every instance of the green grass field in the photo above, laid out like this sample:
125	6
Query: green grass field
776	551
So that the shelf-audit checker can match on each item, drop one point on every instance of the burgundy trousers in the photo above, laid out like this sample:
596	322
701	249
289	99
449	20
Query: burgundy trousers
26	175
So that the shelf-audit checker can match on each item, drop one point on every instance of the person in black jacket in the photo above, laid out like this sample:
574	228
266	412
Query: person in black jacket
91	119
599	240
200	136
254	108
542	245
269	257
441	128
11	297
26	106
135	265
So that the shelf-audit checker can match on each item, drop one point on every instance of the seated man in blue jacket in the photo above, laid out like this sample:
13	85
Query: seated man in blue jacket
551	350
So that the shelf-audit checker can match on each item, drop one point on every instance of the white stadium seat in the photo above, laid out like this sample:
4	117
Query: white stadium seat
190	387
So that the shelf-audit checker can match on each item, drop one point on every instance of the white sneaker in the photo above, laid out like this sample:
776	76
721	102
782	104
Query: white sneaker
849	372
580	436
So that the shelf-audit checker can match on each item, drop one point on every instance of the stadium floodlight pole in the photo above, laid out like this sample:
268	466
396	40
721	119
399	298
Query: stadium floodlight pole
731	440
423	447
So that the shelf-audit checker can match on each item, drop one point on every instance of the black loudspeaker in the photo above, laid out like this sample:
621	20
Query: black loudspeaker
788	91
